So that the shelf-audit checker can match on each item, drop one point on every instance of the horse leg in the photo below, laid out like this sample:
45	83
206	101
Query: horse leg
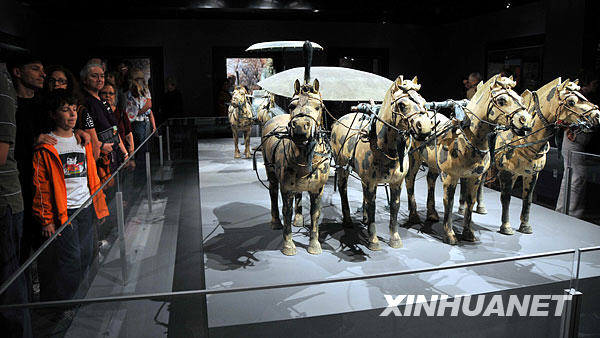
236	152
395	189
289	248
471	187
463	196
413	168
342	183
449	183
314	247
481	209
298	218
369	194
247	142
432	215
273	193
528	186
507	181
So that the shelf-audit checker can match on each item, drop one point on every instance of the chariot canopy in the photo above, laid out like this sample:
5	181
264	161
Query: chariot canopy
280	46
336	83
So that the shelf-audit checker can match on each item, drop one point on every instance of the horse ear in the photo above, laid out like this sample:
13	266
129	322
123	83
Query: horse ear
564	84
296	87
526	96
479	85
415	80
399	80
316	85
576	81
510	78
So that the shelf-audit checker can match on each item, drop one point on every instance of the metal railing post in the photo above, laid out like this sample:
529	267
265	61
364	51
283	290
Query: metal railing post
168	146
121	229
149	181
160	150
568	172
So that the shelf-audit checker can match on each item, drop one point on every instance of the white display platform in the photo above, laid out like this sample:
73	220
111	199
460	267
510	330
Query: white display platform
241	249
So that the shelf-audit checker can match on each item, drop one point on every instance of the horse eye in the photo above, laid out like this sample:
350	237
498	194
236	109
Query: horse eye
501	101
571	103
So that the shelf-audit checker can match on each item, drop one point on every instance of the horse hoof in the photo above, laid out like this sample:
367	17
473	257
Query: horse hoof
298	221
395	243
374	246
526	228
248	155
461	210
289	249
506	229
314	247
347	223
236	155
468	236
450	239
414	219
481	209
433	218
276	225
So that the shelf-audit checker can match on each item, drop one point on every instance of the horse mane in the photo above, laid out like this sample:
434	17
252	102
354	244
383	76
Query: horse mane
483	90
547	91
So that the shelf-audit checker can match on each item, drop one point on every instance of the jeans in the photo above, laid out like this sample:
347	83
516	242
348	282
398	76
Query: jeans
140	130
64	266
17	322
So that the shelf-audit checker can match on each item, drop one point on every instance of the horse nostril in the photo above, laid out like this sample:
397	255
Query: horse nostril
419	126
306	127
522	120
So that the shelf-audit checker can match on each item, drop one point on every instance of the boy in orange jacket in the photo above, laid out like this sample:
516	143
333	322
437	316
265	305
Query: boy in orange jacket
64	179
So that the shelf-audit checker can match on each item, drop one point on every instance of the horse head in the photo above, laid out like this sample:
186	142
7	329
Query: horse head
504	106
240	100
306	109
408	108
572	108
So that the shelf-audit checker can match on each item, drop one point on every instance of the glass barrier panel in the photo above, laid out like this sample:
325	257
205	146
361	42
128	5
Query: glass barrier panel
589	285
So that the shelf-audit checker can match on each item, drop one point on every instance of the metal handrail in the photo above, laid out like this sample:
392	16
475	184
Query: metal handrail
203	292
47	242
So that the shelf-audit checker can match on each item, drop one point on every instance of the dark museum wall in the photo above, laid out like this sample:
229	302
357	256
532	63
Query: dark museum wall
441	55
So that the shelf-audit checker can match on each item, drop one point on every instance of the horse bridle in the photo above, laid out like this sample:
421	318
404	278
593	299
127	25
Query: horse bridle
396	111
318	125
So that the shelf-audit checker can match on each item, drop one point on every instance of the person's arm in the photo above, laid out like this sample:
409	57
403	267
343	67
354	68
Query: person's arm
82	137
95	142
147	106
122	147
129	138
44	139
42	208
152	121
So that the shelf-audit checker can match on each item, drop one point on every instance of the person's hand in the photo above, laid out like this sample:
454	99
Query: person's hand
153	128
571	135
82	137
132	164
48	230
106	148
45	139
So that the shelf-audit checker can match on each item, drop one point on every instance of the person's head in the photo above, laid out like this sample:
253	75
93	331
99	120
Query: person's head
58	77
27	71
111	77
92	77
137	75
589	82
61	105
97	61
474	79
123	68
108	94
171	83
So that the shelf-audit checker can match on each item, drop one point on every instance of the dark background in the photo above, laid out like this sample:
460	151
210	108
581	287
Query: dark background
439	41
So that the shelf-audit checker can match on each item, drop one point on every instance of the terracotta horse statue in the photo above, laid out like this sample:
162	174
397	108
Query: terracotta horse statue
241	119
375	147
465	154
296	157
557	104
264	113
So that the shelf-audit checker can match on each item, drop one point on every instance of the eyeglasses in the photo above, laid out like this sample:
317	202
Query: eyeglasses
58	81
107	93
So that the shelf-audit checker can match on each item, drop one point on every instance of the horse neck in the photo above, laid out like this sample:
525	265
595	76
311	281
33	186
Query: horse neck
478	130
548	110
386	136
